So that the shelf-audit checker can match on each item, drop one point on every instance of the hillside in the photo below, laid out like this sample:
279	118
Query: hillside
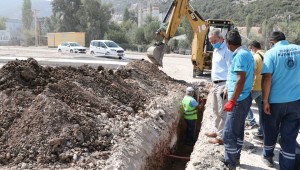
275	10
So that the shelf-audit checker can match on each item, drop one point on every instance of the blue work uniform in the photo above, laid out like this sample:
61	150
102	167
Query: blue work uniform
283	62
235	121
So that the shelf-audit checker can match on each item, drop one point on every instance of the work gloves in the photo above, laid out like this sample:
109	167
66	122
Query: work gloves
229	105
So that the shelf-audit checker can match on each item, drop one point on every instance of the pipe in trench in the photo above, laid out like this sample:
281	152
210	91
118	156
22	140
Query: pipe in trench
177	157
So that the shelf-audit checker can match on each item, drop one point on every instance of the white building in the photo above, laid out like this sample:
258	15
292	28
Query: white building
149	10
12	34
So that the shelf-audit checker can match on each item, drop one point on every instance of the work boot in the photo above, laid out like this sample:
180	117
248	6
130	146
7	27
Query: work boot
222	159
210	134
216	141
268	161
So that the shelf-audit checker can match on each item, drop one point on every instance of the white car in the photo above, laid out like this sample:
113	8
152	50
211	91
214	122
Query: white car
106	48
71	47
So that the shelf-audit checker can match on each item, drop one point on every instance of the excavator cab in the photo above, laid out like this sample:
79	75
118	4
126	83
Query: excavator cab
201	48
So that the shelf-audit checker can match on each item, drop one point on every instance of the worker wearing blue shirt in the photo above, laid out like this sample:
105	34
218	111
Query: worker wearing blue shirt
239	85
281	100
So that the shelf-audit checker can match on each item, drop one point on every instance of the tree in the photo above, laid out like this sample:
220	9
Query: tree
139	36
2	23
96	16
129	15
249	22
126	15
67	13
27	34
27	14
150	28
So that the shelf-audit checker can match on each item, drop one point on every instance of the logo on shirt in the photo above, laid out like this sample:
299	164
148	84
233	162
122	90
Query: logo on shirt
290	63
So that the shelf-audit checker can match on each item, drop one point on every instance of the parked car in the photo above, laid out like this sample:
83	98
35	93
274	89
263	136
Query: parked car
71	47
106	47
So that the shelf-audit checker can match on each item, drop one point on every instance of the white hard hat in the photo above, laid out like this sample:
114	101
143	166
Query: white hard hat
189	89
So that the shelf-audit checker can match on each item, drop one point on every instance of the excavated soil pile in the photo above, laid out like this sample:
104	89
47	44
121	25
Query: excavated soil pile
64	116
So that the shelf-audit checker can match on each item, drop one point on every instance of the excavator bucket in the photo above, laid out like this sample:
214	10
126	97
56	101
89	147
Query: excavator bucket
156	54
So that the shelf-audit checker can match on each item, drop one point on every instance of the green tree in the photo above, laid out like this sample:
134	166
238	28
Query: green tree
67	13
96	18
126	15
27	33
139	36
149	30
249	22
2	23
27	14
116	33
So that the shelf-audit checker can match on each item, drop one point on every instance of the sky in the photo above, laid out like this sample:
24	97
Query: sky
13	8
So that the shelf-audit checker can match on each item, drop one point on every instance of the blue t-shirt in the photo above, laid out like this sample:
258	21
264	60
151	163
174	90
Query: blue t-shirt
242	61
193	103
283	62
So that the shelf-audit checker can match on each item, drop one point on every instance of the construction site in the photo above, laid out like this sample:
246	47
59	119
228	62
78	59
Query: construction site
81	89
95	117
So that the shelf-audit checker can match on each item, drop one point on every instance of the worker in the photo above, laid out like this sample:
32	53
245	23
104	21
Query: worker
281	100
258	54
220	65
190	108
239	85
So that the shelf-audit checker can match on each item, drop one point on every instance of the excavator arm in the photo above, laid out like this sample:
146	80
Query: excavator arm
177	10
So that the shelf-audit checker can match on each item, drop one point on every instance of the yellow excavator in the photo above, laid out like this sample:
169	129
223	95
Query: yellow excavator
201	48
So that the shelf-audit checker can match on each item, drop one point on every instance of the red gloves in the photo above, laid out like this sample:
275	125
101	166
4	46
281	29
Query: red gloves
229	105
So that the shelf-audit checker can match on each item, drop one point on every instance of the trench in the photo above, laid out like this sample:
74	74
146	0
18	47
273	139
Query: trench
178	156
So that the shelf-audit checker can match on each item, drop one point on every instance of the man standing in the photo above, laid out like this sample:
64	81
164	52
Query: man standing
239	85
220	64
281	100
190	108
258	54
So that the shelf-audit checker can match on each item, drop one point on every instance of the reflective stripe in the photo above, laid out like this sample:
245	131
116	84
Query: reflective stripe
190	110
231	152
231	149
269	147
287	156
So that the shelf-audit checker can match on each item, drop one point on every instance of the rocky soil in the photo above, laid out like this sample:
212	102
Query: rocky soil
62	117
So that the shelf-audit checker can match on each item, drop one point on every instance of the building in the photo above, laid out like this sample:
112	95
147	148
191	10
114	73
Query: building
146	11
12	34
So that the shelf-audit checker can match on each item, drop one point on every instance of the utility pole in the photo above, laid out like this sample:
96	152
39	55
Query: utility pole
36	32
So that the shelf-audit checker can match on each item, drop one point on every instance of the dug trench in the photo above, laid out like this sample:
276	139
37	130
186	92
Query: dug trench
88	118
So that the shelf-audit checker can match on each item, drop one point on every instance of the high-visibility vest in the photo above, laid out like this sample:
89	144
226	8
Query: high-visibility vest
190	113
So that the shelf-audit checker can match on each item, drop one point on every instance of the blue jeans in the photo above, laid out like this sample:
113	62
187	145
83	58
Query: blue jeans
257	96
250	117
234	131
284	118
191	124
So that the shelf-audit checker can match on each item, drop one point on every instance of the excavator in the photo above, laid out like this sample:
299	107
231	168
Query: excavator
201	48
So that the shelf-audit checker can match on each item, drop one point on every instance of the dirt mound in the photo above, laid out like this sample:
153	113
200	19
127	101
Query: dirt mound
59	116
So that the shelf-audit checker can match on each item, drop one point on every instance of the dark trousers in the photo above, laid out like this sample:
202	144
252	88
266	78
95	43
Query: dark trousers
284	119
191	124
234	131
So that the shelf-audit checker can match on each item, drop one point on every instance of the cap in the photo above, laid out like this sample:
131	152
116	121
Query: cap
189	89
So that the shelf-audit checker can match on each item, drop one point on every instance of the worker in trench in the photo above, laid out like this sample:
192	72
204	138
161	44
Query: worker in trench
190	108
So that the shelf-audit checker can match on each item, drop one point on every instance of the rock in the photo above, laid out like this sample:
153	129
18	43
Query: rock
129	109
55	141
75	157
8	156
24	165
